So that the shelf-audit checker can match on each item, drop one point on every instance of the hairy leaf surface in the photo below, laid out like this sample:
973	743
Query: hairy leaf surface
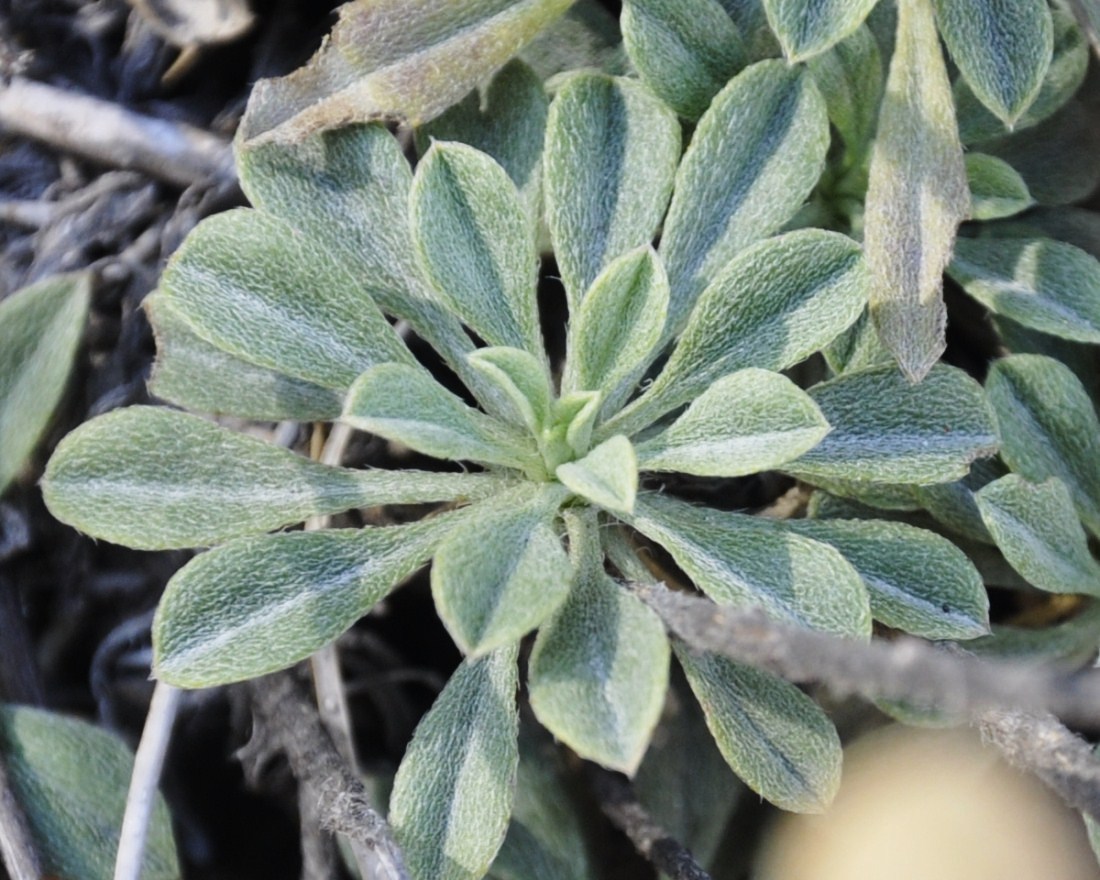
40	329
754	158
1037	529
606	476
453	792
773	736
851	78
155	478
886	430
809	27
996	189
257	605
1048	427
916	196
611	154
744	561
1046	285
917	581
685	50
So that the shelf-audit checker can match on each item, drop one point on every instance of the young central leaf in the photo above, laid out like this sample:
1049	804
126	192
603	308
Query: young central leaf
607	476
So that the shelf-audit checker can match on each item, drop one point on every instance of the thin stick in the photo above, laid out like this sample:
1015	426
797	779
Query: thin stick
112	135
325	664
1042	745
620	804
905	669
289	719
148	763
21	856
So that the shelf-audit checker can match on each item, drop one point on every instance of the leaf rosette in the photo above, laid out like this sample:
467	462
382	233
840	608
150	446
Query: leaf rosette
674	363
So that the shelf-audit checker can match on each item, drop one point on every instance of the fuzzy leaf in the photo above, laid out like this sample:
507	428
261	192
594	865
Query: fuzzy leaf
508	122
1002	47
1048	427
253	287
261	604
607	476
406	404
771	307
476	244
886	430
809	27
851	78
394	59
611	154
192	373
750	421
755	156
155	478
523	381
616	329
954	504
772	735
1063	77
918	581
500	575
40	329
744	561
1045	285
1037	529
857	348
599	672
70	780
684	51
916	195
348	191
453	792
996	189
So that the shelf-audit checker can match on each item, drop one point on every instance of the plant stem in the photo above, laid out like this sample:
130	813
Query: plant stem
620	804
143	783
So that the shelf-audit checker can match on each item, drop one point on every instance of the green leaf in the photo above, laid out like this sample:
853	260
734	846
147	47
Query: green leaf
1071	641
996	189
1037	529
476	244
508	122
916	196
614	334
744	561
954	504
611	154
1063	77
40	329
586	36
406	404
599	668
192	373
348	190
261	604
809	27
500	575
1045	285
1048	427
523	381
886	430
851	79
394	59
771	307
253	287
155	478
1002	48
453	792
918	581
755	156
70	779
857	348
684	51
607	476
750	421
771	734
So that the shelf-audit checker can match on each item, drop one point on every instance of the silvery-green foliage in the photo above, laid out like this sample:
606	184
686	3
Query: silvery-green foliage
684	308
